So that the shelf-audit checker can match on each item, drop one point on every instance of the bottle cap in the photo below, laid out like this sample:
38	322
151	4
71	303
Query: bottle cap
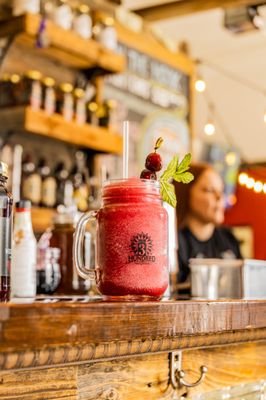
79	93
84	8
14	78
66	87
4	169
48	81
33	74
23	204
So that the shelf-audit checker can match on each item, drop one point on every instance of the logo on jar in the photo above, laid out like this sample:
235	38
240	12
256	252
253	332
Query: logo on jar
141	249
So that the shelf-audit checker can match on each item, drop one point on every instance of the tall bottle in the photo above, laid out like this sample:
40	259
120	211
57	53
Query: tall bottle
31	181
6	202
80	182
23	270
48	191
64	185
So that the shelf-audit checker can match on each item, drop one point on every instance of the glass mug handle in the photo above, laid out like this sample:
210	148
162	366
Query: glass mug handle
85	273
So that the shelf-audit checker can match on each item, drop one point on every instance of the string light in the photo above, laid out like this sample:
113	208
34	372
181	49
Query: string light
245	180
200	85
209	128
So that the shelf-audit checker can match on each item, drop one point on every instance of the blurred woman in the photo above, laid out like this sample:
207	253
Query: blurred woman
200	212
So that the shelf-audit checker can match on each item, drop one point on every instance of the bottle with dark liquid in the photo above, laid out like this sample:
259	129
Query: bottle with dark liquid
64	186
31	182
6	202
48	192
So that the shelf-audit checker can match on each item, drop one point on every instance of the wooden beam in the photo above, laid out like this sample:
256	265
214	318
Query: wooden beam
183	7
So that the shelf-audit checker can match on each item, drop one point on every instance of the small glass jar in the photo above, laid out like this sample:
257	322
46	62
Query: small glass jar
26	6
92	116
48	274
105	33
62	14
48	95
29	90
79	105
82	23
64	101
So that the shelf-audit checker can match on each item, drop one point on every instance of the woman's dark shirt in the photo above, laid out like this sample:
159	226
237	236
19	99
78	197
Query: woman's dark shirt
222	244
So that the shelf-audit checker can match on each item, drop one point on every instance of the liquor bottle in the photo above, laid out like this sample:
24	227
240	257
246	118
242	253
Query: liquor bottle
31	182
5	233
48	191
64	186
80	182
23	269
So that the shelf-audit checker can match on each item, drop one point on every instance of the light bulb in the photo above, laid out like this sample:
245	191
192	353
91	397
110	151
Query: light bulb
258	186
209	128
200	85
250	183
230	158
242	179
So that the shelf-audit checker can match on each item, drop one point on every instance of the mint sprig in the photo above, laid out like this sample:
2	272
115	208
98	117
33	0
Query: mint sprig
178	172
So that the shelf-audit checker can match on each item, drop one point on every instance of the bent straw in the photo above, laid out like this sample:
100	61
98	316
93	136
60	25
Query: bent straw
125	148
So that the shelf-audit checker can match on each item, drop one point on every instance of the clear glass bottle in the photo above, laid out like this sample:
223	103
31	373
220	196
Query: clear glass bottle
105	33
26	6
48	196
82	23
23	269
31	181
48	95
5	233
62	14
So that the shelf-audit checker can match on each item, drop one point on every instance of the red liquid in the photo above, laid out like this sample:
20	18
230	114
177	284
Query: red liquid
132	250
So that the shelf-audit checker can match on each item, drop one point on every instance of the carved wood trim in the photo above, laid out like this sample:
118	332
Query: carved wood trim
80	353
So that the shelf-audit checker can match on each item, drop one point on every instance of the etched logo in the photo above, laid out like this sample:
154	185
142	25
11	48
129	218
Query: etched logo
141	249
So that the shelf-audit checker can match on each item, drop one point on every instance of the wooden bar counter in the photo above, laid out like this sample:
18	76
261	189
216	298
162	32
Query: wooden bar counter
90	349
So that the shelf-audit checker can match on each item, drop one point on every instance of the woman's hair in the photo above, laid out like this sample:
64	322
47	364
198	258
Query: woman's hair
183	192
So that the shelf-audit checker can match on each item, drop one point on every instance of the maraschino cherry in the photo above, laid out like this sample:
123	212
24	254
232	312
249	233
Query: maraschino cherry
153	163
153	160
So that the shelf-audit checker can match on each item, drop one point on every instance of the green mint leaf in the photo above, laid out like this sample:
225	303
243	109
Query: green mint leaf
170	170
184	177
168	193
184	165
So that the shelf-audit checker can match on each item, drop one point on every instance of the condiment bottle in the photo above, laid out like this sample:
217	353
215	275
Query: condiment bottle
64	186
26	6
82	23
62	14
31	181
48	95
30	90
48	270
48	192
92	116
62	238
105	33
5	234
79	106
64	101
23	270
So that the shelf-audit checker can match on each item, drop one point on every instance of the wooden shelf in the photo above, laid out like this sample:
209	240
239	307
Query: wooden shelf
56	127
65	46
42	218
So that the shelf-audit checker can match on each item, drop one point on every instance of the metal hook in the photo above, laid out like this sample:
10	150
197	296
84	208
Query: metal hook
177	375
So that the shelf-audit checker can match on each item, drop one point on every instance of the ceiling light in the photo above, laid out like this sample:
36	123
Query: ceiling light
209	128
200	85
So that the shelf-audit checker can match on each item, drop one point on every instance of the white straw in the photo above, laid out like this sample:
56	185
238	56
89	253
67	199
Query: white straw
125	148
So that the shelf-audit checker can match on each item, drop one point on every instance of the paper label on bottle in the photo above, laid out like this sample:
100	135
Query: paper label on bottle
23	269
49	192
36	95
32	188
49	101
68	107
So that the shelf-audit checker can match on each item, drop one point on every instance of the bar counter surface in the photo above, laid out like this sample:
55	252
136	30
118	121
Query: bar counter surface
92	349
